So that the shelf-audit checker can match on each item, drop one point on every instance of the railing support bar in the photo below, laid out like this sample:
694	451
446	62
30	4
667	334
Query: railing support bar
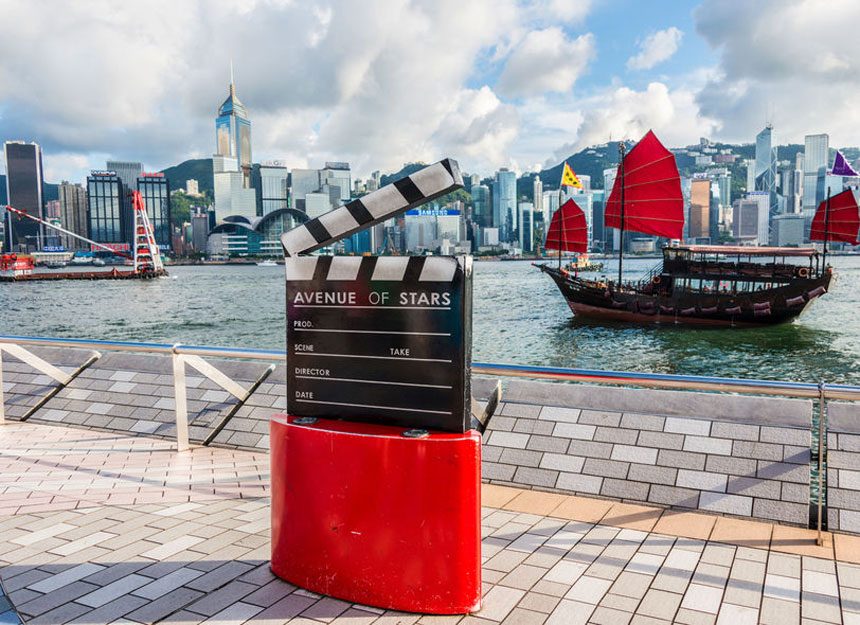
822	432
2	397
93	358
217	430
180	401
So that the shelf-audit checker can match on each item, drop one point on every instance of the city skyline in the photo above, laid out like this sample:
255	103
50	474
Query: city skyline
526	83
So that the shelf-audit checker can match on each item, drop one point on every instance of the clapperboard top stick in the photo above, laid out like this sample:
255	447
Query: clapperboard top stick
391	200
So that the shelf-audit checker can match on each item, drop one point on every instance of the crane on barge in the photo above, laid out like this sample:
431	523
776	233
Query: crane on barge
146	256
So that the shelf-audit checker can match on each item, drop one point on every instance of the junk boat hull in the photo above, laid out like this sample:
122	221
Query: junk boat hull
669	298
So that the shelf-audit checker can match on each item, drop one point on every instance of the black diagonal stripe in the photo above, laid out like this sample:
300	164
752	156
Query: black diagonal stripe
365	269
446	163
318	231
409	190
359	212
413	269
322	268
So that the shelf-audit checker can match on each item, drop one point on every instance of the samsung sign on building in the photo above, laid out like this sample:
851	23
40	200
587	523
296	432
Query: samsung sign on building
433	212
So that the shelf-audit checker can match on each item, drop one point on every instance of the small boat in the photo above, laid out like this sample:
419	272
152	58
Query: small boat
695	284
267	263
98	262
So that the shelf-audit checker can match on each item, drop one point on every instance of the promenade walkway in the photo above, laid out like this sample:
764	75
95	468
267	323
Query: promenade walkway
100	527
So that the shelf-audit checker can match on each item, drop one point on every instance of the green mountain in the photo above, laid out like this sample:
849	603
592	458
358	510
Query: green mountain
199	169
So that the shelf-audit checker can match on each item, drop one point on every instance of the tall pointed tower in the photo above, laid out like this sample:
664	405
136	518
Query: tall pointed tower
233	131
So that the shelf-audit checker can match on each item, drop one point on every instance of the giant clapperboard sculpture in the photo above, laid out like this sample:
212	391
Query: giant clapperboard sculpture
376	465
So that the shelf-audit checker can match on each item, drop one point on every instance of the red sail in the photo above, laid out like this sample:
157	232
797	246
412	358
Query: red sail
843	220
653	203
568	231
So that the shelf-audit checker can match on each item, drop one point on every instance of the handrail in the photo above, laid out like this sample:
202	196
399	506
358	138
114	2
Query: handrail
619	378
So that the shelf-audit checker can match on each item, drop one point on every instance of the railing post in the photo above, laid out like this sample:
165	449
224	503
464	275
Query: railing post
2	396
822	418
180	401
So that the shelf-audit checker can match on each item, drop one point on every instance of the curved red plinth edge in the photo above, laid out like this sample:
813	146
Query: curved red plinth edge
364	514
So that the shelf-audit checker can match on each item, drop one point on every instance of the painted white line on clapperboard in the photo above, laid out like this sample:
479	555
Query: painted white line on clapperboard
374	357
312	377
335	403
370	332
376	307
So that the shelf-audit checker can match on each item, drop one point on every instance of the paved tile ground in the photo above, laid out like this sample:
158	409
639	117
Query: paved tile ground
104	528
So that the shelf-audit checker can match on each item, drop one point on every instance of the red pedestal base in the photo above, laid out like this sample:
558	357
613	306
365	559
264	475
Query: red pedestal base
364	514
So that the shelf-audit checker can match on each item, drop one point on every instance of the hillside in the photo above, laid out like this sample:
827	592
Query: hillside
51	191
199	169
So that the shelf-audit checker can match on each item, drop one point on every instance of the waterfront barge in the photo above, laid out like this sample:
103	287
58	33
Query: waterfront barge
695	284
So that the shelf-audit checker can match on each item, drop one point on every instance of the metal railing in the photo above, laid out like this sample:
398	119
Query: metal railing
192	355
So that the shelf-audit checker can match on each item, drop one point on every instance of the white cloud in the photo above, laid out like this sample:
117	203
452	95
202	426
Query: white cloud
545	61
790	63
623	113
656	48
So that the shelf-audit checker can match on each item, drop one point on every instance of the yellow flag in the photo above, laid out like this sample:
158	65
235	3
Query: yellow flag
568	178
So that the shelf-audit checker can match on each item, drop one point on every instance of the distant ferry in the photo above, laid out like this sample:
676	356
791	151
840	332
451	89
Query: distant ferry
267	263
696	284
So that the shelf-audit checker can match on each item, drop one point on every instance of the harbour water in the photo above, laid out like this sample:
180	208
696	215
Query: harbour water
519	317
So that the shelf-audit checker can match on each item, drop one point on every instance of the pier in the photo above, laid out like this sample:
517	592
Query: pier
135	487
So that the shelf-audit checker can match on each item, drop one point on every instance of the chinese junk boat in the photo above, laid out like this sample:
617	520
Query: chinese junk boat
695	284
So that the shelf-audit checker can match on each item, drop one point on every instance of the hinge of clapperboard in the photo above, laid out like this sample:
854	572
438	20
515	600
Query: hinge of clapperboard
381	205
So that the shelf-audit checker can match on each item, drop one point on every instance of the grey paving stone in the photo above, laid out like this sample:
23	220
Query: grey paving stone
605	468
673	496
539	442
661	440
578	483
702	480
496	471
681	459
652	474
624	489
755	487
563	462
730	504
737	431
521	457
596	417
617	436
590	449
536	477
635	421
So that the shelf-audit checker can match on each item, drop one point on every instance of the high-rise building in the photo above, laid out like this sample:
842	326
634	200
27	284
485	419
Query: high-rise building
526	227
192	188
337	174
816	153
482	212
231	196
700	209
128	172
73	213
539	209
505	203
233	133
271	182
107	218
765	163
199	230
155	191
24	191
787	230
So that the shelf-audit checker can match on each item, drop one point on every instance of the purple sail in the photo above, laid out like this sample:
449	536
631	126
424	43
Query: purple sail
841	166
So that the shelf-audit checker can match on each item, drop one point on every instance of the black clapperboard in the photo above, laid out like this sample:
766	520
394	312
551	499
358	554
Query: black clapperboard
379	339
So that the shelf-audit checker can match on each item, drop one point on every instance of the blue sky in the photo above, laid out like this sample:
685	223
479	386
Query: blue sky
492	83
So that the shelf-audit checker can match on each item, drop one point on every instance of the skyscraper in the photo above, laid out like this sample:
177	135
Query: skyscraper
73	213
765	163
155	190
482	213
128	172
505	203
816	151
526	229
107	218
24	191
233	132
271	184
539	209
700	209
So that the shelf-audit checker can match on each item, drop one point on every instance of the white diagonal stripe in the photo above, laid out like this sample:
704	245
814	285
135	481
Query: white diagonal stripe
390	268
301	267
384	202
438	269
297	240
338	221
432	180
344	267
